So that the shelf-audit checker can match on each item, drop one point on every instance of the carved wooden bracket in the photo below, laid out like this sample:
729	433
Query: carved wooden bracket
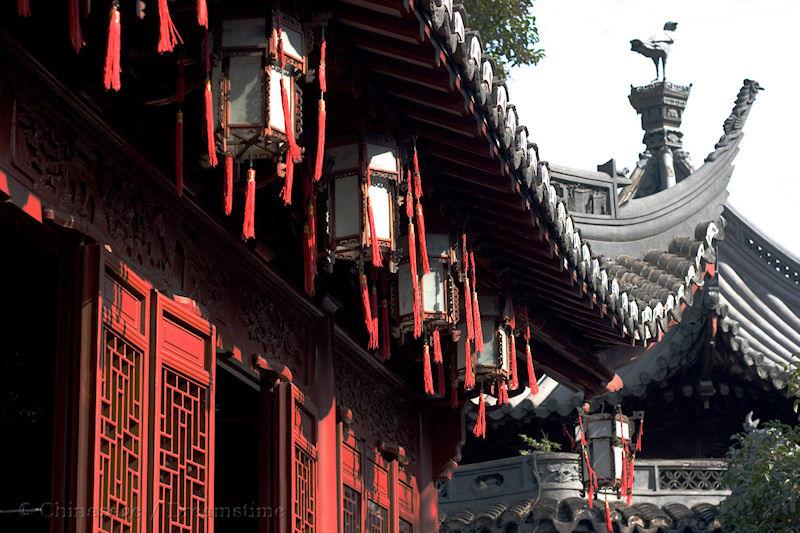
272	369
393	452
345	416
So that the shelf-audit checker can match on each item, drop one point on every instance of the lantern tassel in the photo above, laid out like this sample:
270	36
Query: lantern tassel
366	304
437	347
321	115
513	384
468	310
293	151
386	342
479	430
476	321
502	393
639	436
377	260
609	525
310	248
426	370
202	14
111	69
533	383
179	152
373	334
249	224
423	245
227	185
75	36
24	8
209	116
168	35
412	263
469	375
629	498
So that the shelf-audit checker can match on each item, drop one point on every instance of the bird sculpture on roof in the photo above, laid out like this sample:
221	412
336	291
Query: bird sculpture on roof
657	48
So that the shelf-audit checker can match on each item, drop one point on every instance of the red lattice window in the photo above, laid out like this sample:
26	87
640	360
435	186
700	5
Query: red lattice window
305	467
377	518
159	381
351	510
120	406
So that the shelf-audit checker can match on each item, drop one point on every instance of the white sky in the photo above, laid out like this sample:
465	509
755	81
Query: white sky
575	102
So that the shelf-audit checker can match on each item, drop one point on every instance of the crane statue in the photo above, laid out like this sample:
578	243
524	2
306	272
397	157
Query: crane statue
657	48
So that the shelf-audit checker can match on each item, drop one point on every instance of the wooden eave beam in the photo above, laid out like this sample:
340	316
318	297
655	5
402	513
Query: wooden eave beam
383	25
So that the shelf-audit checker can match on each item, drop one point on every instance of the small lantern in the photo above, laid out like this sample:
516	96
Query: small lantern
248	98
607	455
438	292
493	362
362	177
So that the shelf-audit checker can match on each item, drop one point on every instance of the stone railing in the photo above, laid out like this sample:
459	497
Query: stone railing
556	475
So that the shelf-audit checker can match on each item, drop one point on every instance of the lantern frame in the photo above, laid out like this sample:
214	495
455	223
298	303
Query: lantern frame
346	161
494	366
443	263
256	38
606	435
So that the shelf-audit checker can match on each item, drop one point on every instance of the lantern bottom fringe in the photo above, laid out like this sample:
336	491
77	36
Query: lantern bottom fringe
533	383
227	185
426	370
249	223
479	430
469	376
609	524
111	69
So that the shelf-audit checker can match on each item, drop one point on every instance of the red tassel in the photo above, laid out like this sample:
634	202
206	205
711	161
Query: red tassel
375	248
423	244
373	336
583	433
609	525
168	35
426	370
412	263
179	152
469	375
75	36
310	232
639	436
24	8
320	140
468	310
209	111
629	474
533	383
111	70
417	176
476	321
502	393
321	115
437	347
227	186
293	151
479	430
386	343
202	14
513	383
249	224
366	304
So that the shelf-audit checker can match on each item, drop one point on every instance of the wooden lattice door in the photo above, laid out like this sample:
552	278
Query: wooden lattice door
152	437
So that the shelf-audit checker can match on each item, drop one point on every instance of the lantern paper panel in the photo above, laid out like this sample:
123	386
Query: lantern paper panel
349	196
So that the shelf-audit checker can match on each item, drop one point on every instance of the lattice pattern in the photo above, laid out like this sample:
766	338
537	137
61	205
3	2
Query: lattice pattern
305	491
183	454
351	510
119	426
377	518
688	479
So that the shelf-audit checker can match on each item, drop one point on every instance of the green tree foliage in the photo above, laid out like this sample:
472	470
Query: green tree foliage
531	444
764	476
508	30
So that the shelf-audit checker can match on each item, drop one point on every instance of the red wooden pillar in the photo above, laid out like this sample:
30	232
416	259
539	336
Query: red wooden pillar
327	434
428	506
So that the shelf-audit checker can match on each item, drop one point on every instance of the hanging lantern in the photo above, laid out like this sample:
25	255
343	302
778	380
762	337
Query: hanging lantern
437	289
607	454
260	60
361	181
493	362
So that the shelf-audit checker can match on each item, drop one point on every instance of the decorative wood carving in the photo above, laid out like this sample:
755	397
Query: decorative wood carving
375	407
